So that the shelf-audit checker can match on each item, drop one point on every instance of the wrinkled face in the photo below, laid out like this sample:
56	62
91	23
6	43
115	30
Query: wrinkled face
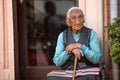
76	20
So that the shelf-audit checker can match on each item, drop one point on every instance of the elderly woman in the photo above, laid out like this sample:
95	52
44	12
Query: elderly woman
79	41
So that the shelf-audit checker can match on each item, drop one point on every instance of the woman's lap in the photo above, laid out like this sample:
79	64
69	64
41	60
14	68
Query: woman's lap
87	77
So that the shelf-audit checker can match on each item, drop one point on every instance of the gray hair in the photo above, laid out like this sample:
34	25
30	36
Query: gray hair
71	9
68	13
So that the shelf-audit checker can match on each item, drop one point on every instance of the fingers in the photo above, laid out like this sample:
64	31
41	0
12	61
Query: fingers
81	53
72	46
78	53
69	48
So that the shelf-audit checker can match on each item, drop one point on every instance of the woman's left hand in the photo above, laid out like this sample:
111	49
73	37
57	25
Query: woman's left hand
72	46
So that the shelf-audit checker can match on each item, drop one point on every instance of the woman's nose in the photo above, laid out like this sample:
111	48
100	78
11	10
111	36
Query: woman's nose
77	21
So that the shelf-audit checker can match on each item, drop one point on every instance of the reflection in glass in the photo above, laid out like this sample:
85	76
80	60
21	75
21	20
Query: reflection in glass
46	19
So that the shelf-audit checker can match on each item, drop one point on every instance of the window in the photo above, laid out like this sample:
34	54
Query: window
45	20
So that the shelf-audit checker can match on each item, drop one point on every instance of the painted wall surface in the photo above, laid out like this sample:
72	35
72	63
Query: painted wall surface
93	16
93	10
1	39
6	41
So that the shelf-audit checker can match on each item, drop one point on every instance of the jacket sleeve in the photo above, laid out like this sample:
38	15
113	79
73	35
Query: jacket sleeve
93	54
60	56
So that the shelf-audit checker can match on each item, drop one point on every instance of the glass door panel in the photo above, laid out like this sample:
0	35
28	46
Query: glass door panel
45	20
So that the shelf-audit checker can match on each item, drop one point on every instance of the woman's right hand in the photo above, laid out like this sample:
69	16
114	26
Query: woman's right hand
78	53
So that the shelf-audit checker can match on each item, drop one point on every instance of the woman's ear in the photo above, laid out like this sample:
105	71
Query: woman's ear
68	21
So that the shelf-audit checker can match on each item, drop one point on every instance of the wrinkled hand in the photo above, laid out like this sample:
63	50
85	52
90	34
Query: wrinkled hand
72	46
78	53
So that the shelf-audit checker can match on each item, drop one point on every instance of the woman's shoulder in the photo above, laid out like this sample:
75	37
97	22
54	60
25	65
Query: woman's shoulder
60	34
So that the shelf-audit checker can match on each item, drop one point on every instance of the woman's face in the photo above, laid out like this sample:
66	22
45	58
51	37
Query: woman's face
76	20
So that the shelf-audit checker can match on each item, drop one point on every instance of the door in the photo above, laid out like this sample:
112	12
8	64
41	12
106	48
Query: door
37	33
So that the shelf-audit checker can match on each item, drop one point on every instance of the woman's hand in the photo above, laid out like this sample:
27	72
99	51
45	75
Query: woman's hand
78	53
72	46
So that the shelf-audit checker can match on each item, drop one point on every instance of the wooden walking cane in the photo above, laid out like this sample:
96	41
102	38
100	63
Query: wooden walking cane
74	71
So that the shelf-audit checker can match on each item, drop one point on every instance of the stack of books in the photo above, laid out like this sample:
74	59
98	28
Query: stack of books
80	72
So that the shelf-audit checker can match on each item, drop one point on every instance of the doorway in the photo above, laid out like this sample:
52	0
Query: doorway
34	40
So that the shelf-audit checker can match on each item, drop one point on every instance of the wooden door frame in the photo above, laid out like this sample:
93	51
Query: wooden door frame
17	23
16	59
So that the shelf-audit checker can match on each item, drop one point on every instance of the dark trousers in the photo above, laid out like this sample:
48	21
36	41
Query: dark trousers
87	77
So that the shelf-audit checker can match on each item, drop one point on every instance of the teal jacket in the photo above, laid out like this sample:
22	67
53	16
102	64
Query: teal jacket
93	54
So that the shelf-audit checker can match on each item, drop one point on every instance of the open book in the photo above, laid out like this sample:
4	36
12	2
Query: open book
80	72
